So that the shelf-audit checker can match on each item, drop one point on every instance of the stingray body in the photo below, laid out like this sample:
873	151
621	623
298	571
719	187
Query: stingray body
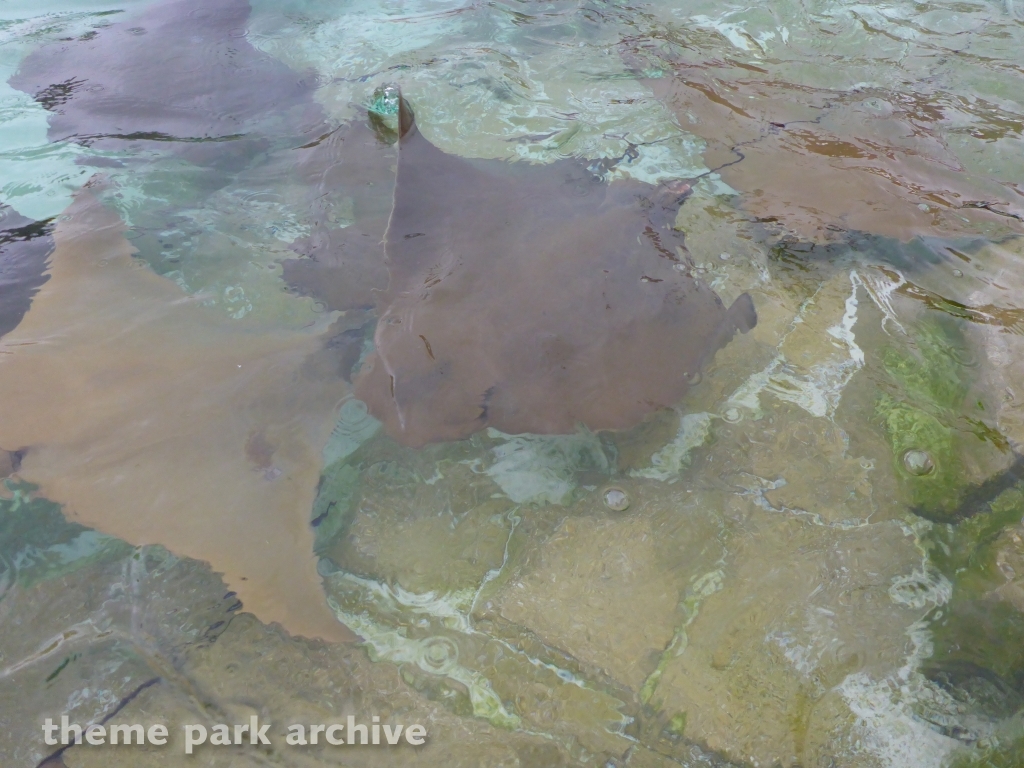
533	298
25	248
350	175
179	72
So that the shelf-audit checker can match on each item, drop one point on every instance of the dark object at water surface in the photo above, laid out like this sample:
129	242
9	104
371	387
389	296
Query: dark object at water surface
533	298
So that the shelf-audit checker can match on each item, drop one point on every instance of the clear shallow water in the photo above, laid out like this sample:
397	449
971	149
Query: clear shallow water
821	560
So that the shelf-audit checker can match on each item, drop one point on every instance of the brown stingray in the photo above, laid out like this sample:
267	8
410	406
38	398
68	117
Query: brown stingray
156	419
533	298
819	162
179	71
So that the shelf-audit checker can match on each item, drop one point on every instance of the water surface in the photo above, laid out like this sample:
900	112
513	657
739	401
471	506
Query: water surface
815	557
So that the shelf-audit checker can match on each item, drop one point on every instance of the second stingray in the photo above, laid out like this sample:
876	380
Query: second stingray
533	298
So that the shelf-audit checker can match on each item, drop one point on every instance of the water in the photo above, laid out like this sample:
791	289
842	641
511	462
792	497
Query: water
813	557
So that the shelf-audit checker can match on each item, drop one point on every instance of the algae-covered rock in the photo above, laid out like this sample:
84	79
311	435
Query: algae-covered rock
1007	752
506	678
89	621
542	469
978	651
430	536
622	585
765	649
971	679
937	374
925	458
255	669
442	533
943	445
1009	560
109	633
37	543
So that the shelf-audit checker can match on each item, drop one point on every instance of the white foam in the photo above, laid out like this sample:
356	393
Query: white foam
694	429
816	389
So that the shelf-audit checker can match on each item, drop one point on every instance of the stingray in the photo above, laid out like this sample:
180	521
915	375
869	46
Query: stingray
820	163
154	418
351	178
179	72
25	248
533	298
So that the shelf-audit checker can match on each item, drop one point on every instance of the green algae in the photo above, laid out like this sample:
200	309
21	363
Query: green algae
913	429
673	457
976	630
1004	755
977	656
37	543
677	725
934	429
702	588
936	374
965	552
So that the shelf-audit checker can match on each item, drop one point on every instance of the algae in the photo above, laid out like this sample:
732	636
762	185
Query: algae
936	374
942	447
978	635
798	656
37	542
1009	754
671	459
975	660
910	429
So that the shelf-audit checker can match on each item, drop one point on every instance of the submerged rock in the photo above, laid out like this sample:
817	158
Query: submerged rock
944	447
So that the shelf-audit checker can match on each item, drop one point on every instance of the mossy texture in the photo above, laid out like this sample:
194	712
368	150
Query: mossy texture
976	636
926	409
37	543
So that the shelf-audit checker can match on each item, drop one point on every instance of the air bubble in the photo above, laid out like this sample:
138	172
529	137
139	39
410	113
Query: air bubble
616	499
438	655
918	462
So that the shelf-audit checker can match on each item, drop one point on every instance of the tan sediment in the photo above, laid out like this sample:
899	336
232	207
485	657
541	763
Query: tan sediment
158	420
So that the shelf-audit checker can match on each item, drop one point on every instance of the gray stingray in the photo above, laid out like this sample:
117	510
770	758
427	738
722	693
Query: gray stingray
533	298
25	248
179	71
350	174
